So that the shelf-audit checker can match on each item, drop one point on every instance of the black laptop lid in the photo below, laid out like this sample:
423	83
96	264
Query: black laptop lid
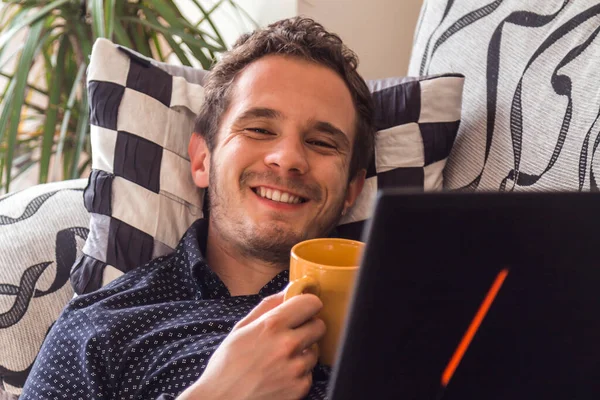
431	264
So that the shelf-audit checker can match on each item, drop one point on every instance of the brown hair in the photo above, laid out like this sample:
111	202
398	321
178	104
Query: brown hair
299	37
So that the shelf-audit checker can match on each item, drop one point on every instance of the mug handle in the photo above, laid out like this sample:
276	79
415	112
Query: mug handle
302	285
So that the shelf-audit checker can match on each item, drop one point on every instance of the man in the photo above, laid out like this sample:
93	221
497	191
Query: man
282	144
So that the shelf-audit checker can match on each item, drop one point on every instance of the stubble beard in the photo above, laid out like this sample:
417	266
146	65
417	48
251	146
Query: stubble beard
251	241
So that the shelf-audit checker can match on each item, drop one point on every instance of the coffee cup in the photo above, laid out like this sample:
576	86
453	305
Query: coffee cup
327	268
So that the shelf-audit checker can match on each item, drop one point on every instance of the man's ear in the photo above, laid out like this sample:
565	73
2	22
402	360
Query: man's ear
199	160
354	188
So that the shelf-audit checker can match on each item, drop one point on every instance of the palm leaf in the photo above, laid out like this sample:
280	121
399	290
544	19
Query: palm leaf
52	113
175	47
12	21
210	22
109	15
206	15
97	11
140	38
158	48
195	44
186	37
7	96
86	164
121	35
244	13
1	172
65	122
82	130
84	41
59	40
15	51
4	15
24	168
29	87
30	19
31	44
163	9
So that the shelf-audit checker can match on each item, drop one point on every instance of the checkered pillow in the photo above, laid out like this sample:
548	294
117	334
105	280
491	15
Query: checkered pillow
417	121
141	194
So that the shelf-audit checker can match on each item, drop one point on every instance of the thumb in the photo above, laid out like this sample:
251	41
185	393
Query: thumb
266	305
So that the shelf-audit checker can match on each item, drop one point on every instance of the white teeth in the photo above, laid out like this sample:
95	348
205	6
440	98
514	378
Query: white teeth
277	195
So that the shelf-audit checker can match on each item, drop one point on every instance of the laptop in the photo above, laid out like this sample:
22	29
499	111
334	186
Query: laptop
475	296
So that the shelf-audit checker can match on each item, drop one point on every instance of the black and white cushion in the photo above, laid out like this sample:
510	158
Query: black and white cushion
531	109
417	120
42	232
141	194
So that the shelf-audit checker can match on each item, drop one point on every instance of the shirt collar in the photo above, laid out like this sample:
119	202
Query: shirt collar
206	283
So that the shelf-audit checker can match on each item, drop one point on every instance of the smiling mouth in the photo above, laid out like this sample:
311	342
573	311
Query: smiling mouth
278	195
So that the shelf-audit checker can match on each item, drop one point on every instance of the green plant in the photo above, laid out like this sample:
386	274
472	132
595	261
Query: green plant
44	108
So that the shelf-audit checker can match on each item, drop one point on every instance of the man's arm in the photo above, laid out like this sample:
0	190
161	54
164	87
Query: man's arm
269	354
69	364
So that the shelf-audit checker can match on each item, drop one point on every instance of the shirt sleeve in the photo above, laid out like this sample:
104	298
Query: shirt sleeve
69	364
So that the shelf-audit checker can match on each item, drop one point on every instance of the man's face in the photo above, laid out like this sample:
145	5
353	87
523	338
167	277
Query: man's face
279	171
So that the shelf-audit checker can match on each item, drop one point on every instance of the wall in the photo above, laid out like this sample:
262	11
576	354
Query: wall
263	12
232	22
379	31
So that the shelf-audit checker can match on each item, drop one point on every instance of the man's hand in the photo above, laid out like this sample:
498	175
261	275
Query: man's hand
267	355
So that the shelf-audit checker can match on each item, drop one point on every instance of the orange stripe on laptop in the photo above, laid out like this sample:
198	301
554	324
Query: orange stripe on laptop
473	327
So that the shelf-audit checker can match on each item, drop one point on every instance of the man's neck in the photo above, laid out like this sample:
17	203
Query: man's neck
241	275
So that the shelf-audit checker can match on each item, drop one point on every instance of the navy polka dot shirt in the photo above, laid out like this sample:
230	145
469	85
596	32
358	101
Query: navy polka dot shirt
148	334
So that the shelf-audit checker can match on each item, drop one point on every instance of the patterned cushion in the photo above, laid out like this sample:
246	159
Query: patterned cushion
141	194
42	230
417	120
531	117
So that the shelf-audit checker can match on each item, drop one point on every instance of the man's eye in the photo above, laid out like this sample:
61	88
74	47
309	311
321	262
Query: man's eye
259	130
321	144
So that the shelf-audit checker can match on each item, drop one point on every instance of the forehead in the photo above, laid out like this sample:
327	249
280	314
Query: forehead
297	88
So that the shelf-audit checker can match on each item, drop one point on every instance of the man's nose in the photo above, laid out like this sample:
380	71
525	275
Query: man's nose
288	155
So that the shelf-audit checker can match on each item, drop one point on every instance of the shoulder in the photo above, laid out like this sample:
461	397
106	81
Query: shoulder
165	278
131	287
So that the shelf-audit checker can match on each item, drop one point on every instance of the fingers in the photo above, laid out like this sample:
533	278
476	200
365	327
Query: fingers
301	374
309	334
296	311
266	305
308	359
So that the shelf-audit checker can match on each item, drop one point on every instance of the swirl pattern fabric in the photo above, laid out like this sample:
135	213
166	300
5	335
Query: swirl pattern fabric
42	232
531	105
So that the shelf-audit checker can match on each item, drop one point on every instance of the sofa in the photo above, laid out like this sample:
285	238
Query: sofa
530	120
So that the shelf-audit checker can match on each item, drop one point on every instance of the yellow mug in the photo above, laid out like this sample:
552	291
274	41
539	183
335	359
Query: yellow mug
327	268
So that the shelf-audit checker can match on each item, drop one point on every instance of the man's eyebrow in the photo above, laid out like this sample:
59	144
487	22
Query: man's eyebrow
326	127
270	113
260	112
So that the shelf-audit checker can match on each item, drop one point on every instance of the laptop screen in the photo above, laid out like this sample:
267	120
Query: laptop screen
483	296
